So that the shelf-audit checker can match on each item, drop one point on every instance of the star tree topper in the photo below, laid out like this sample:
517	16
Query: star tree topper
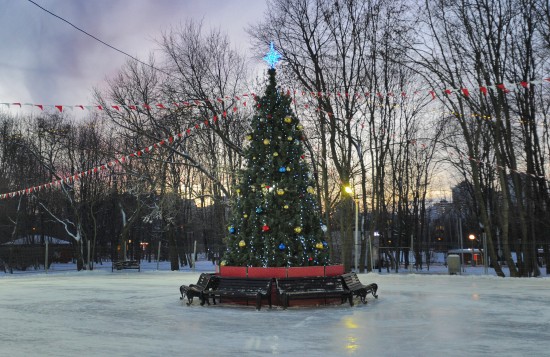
272	57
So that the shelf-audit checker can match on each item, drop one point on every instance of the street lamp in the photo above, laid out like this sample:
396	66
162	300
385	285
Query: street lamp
349	190
472	238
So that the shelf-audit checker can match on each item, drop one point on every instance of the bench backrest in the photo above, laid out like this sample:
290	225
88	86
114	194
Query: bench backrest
351	280
310	284
244	284
206	281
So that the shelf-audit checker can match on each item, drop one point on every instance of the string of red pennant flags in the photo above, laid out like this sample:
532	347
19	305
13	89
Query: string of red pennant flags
466	92
186	133
110	164
139	153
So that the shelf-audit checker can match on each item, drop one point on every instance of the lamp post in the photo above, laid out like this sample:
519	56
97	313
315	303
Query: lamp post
356	235
472	238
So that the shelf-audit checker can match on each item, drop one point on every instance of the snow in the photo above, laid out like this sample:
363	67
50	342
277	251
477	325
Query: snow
94	313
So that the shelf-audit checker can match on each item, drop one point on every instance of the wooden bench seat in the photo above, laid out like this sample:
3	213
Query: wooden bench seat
352	283
126	264
241	288
206	282
312	288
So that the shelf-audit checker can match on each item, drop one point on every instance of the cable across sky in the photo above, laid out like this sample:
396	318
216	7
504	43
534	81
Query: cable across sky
99	40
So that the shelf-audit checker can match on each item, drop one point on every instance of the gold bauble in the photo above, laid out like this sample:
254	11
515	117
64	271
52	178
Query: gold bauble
242	243
275	154
289	138
310	190
299	126
288	120
245	216
288	168
266	141
319	245
285	206
298	229
280	192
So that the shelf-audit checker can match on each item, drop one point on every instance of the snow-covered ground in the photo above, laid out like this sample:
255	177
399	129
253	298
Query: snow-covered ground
130	313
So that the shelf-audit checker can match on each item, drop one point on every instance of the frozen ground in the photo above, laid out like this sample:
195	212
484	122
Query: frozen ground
132	313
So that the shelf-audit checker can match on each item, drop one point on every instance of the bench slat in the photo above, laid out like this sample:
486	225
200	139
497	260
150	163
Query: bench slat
125	264
243	288
311	288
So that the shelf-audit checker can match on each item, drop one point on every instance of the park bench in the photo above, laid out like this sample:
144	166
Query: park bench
240	288
312	288
353	284
206	282
125	264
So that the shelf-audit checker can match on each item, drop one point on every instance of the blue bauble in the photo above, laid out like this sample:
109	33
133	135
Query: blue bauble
259	210
282	169
231	230
282	246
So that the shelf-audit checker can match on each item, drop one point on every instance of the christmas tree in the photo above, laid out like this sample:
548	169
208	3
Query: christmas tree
275	219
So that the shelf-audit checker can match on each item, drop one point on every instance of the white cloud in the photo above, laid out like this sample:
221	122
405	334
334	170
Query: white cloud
45	60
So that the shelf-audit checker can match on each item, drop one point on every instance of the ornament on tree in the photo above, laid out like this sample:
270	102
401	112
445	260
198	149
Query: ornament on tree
280	192
299	127
282	246
288	168
249	137
231	229
310	190
298	229
245	215
238	191
222	263
288	120
324	228
266	141
275	154
289	138
265	228
319	246
282	169
259	210
242	243
286	207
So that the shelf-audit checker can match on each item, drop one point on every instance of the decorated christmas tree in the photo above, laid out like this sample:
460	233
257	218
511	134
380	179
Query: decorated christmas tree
275	219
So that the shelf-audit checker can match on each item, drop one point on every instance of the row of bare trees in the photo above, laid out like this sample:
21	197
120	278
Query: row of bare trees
371	69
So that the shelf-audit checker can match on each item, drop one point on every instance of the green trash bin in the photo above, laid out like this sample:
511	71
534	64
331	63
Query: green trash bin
453	263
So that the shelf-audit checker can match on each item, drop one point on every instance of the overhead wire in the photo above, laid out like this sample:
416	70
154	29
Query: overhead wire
99	40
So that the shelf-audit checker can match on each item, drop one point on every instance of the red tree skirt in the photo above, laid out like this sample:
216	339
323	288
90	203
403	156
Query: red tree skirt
284	272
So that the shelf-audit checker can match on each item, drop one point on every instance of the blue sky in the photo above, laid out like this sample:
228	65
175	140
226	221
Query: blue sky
46	61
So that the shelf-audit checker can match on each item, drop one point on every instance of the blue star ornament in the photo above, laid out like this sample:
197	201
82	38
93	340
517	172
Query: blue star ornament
272	57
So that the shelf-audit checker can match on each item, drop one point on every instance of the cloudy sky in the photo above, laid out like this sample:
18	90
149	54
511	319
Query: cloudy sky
44	60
